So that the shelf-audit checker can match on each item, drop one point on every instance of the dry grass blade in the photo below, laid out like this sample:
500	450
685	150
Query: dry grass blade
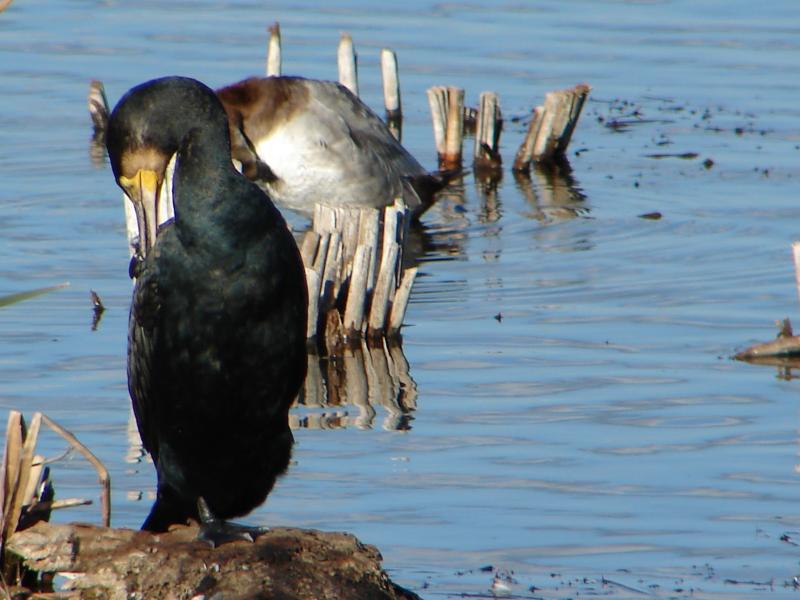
102	472
19	297
11	454
16	496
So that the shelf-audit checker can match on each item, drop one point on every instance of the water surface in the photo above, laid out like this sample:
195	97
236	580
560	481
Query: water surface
577	413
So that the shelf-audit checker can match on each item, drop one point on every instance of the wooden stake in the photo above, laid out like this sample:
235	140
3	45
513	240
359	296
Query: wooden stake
487	136
578	98
522	162
369	235
357	292
796	256
274	50
455	128
308	247
391	236
400	302
313	280
331	276
391	85
384	288
447	115
98	106
320	256
543	135
348	63
437	99
560	116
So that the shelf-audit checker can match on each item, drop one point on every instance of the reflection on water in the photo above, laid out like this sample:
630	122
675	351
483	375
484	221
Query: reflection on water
369	386
552	193
786	367
97	149
353	390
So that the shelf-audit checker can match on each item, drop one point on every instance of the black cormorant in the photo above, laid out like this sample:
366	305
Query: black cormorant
216	342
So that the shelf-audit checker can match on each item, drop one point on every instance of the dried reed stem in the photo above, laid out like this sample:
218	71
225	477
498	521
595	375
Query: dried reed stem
102	472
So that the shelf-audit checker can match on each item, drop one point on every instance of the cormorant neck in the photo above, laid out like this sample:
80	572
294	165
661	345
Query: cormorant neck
203	171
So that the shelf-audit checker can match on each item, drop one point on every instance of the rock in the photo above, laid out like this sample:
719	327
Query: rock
283	563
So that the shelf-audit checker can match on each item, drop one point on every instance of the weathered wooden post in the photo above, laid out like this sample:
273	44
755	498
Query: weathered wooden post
347	60
274	50
391	92
487	161
447	114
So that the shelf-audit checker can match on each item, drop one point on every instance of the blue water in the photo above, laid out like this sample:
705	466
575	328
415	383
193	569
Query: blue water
599	426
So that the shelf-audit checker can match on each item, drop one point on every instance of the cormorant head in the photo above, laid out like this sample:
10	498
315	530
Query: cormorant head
146	128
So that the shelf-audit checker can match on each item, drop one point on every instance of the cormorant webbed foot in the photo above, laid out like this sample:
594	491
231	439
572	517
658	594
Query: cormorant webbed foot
217	531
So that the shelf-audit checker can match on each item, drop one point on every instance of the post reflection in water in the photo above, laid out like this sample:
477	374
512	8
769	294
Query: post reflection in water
552	193
369	382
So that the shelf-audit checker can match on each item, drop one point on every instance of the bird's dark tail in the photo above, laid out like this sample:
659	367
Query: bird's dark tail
428	185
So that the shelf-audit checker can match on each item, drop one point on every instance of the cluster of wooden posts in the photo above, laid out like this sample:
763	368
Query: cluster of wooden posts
353	259
549	133
353	255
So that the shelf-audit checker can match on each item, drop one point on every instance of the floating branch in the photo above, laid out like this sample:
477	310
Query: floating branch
274	50
551	127
391	92
786	344
353	257
487	160
447	114
348	63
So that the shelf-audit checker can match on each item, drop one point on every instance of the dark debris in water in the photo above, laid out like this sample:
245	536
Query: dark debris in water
652	216
701	580
681	155
97	309
620	115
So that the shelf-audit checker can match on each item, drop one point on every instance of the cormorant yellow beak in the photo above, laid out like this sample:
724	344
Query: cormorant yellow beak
143	190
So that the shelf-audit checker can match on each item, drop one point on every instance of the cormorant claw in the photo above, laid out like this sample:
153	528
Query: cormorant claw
217	531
